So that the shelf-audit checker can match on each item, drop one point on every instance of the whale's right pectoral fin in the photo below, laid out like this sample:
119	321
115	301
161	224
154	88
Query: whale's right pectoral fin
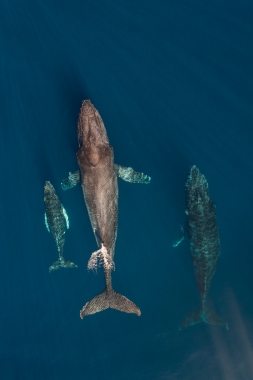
65	217
182	233
129	175
71	181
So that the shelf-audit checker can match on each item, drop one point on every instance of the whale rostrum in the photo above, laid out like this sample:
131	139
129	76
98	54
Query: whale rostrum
99	180
57	222
202	230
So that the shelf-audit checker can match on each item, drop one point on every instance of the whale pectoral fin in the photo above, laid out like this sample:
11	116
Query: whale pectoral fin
71	181
46	223
65	217
129	175
183	232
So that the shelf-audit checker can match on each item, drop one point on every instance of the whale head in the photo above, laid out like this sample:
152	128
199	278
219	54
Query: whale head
49	191
92	136
196	189
196	180
91	129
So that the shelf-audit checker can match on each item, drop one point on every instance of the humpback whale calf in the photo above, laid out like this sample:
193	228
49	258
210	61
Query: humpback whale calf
57	222
202	230
98	175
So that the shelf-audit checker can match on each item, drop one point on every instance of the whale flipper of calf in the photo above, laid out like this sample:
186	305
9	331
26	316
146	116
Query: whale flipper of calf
202	230
99	179
57	222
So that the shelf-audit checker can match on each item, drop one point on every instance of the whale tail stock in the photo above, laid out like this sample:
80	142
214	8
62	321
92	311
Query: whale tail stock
203	314
61	263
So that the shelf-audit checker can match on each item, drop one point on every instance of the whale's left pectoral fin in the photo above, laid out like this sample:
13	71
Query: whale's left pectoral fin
71	181
129	175
46	223
182	233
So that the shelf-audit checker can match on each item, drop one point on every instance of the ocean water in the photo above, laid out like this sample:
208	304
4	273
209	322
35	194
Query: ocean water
173	83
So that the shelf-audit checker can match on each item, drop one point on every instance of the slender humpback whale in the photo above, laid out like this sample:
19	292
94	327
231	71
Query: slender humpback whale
202	230
56	220
98	175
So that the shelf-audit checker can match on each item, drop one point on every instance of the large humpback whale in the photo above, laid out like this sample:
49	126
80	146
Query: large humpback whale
57	222
202	230
98	175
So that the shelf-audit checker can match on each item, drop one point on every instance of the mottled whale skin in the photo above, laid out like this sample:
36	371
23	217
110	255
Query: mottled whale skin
202	230
56	221
99	180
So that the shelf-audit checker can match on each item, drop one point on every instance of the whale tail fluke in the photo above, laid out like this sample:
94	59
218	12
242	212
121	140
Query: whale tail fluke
203	314
61	263
109	299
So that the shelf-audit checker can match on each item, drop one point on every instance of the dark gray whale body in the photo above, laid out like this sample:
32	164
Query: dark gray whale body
98	176
202	230
56	221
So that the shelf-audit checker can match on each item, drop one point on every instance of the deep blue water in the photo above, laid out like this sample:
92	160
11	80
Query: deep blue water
173	83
